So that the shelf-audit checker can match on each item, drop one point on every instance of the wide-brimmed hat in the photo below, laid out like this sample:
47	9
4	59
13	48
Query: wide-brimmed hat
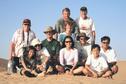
35	41
82	35
49	29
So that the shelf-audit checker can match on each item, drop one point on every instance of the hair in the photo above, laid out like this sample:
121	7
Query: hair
27	49
84	9
95	46
68	22
66	9
105	38
72	46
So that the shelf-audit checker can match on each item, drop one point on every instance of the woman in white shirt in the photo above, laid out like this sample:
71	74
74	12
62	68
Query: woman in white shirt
68	57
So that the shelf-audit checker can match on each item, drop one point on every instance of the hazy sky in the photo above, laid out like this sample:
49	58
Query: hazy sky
109	17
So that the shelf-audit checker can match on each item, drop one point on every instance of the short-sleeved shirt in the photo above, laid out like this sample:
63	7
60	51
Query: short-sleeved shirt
83	51
109	55
89	27
53	48
63	35
42	54
68	57
98	64
19	42
59	26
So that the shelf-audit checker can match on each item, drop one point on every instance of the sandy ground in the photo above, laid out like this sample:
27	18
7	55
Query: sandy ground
119	78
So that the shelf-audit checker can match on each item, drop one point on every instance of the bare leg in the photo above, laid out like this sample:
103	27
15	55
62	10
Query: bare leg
78	70
107	74
60	69
114	69
87	72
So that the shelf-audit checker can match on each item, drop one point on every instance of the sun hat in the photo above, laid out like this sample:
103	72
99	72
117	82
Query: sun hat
35	42
49	29
82	35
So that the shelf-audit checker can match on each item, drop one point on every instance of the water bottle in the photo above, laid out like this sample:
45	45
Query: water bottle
9	68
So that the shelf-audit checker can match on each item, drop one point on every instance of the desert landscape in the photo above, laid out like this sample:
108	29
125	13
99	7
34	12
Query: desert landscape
118	78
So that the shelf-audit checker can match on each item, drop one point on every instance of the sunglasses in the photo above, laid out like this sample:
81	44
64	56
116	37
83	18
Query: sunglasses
105	42
48	32
27	24
67	41
37	45
82	38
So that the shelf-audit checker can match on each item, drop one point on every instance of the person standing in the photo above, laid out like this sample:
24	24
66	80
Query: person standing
21	38
59	26
86	25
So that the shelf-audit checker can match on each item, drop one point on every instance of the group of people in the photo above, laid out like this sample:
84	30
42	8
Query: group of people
68	48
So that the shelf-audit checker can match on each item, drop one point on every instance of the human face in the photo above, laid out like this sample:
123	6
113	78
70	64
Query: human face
68	43
31	53
83	40
66	15
95	52
38	47
105	44
26	27
83	14
49	34
68	28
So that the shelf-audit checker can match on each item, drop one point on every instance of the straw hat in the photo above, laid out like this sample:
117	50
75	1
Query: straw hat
35	42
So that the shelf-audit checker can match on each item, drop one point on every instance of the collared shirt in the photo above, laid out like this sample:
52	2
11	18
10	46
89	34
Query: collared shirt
98	64
68	57
109	55
20	43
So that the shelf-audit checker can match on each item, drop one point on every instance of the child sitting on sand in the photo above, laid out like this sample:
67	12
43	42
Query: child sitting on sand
96	66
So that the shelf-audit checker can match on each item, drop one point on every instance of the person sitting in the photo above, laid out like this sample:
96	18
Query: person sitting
68	57
109	54
96	66
42	56
28	61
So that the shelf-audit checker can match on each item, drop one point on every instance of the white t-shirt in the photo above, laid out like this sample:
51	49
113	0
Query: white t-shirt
17	39
68	57
109	55
98	64
89	26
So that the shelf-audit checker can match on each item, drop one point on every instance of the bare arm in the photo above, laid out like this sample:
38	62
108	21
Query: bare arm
12	50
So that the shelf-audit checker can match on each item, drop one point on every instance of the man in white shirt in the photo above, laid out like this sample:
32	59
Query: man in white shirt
21	38
109	54
86	25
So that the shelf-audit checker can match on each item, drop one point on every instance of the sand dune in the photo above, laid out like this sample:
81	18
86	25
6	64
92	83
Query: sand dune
118	78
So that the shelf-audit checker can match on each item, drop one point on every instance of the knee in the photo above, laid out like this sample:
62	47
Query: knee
114	69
